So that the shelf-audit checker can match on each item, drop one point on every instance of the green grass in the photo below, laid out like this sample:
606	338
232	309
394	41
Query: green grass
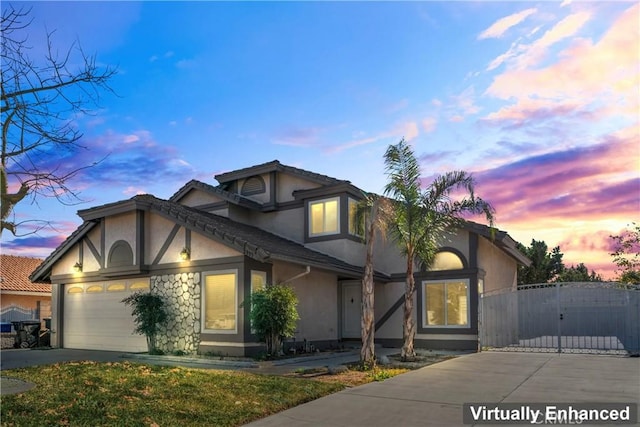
127	394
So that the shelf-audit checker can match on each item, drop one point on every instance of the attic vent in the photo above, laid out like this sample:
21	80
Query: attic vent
120	255
253	185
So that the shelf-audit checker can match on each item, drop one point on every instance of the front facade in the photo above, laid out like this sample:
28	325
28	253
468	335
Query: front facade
207	247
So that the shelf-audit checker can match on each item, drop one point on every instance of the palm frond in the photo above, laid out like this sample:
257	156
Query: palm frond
403	171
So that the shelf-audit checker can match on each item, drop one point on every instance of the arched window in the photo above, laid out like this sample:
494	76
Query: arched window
253	185
120	254
448	260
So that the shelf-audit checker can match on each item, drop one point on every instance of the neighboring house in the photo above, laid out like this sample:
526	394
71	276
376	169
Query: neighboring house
22	299
207	247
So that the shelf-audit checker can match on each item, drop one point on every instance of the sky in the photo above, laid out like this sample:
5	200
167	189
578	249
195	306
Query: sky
540	101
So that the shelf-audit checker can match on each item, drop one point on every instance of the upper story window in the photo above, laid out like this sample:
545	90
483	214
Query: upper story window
324	217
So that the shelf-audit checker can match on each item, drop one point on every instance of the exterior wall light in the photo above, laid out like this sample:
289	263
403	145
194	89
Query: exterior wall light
184	254
77	267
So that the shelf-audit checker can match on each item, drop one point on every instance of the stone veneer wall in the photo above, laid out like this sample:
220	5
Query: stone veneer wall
181	293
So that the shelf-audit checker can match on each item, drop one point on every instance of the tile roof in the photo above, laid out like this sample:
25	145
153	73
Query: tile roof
275	165
219	191
15	271
499	238
254	242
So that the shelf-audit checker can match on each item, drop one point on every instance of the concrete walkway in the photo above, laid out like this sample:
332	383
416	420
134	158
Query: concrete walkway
434	395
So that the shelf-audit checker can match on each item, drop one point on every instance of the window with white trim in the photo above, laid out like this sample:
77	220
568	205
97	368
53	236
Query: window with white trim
445	303
324	217
220	301
258	282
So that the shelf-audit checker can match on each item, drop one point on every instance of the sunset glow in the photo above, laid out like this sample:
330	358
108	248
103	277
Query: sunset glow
540	101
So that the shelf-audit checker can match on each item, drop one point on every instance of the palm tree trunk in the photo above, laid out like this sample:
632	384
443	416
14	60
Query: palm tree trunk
408	324
367	352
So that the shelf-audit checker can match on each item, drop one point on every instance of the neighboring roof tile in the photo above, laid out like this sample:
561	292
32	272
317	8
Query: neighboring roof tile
15	271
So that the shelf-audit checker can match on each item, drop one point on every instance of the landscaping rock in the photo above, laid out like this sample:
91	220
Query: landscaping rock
181	294
333	370
383	360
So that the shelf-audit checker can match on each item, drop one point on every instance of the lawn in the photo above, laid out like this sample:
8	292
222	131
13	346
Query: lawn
128	394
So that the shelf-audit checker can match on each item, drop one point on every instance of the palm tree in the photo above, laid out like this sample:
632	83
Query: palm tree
373	212
421	216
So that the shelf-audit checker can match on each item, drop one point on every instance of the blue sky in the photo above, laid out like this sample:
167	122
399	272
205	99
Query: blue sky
539	100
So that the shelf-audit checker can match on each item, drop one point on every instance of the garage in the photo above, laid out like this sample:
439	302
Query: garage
96	319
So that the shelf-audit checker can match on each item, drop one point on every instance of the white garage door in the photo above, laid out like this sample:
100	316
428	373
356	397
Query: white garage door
96	319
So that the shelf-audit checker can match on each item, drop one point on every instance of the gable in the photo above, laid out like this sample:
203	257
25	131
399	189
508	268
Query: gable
166	240
198	197
157	232
121	228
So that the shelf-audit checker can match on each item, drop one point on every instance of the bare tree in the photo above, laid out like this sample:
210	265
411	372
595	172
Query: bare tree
40	101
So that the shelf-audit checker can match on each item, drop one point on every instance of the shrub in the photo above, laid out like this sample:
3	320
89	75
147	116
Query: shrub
273	315
149	315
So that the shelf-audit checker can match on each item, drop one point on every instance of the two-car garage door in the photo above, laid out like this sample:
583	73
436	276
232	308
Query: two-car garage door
95	318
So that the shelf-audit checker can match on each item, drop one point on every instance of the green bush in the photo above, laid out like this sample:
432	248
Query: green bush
149	315
273	315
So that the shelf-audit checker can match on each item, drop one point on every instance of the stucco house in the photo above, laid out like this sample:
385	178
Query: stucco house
207	247
19	297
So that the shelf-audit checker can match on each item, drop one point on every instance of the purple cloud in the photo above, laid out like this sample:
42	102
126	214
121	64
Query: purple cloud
33	245
579	182
114	160
437	157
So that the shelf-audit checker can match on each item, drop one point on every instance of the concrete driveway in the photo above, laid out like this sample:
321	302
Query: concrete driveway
434	395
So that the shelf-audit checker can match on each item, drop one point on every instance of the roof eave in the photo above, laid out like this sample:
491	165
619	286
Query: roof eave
225	177
227	196
499	238
115	208
351	271
42	273
342	187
